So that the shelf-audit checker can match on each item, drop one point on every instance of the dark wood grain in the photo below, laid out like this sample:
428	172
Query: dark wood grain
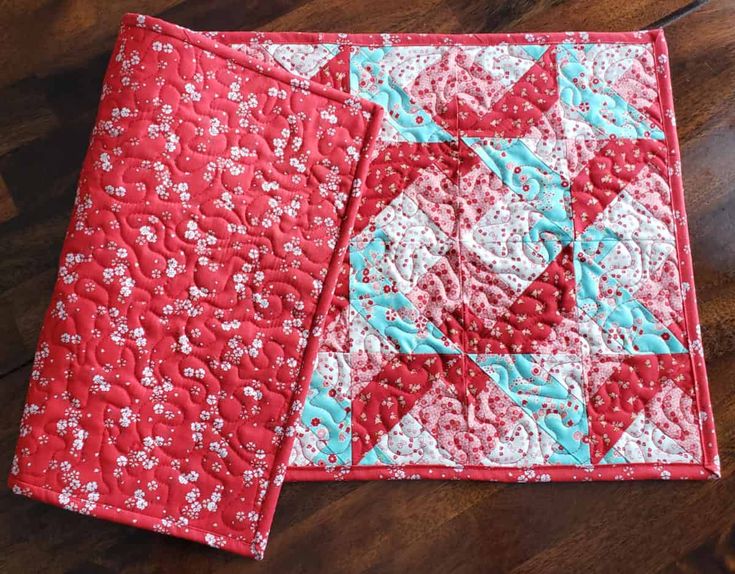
52	57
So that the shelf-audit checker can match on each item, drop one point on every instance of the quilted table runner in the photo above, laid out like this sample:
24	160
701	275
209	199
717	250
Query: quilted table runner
333	256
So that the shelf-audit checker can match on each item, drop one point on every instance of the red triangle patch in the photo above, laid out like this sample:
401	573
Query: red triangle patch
634	381
402	381
545	310
523	107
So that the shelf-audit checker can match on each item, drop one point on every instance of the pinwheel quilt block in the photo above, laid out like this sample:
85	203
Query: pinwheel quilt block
517	300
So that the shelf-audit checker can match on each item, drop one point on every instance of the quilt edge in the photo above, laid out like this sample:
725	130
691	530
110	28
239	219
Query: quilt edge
708	437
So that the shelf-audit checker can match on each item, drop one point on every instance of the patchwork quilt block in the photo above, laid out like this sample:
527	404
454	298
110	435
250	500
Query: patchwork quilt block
366	256
517	303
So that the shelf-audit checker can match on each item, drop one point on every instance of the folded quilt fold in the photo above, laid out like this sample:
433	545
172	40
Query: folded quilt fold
300	256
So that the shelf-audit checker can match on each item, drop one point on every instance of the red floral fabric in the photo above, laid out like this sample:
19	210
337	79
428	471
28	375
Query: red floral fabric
196	273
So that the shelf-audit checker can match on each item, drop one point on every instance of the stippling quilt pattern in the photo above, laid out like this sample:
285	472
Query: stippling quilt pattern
332	257
517	303
215	198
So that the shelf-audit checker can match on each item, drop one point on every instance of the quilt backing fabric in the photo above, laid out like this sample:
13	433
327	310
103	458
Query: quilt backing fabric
367	257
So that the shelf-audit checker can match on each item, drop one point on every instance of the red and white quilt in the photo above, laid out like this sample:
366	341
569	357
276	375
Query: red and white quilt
479	241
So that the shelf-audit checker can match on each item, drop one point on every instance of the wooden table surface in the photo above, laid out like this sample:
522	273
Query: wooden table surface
52	58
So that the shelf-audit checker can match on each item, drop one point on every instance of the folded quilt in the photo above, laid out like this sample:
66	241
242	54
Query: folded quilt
367	257
214	205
